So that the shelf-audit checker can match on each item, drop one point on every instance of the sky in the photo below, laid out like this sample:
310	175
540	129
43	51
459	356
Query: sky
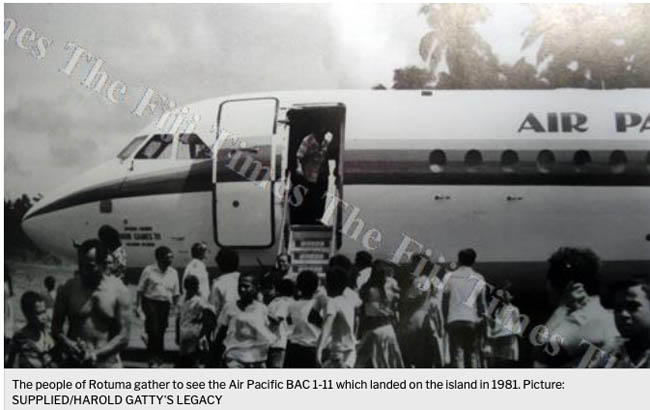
55	127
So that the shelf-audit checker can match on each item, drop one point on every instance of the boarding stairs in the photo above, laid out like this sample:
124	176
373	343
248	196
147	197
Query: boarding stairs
310	247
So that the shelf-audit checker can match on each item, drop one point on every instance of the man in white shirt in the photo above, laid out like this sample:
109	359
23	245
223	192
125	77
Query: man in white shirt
196	267
465	303
157	294
224	288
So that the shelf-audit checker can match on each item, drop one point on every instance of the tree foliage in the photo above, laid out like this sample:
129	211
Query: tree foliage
18	246
453	40
411	77
591	46
580	45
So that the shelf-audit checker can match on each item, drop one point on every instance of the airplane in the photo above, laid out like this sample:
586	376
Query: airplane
513	174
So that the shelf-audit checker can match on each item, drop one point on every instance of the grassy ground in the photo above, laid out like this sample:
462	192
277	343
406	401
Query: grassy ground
29	276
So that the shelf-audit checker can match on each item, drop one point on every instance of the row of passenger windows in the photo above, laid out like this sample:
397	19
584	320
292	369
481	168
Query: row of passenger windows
545	161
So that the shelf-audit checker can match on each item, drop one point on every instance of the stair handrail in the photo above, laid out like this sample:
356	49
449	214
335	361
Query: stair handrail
285	212
334	220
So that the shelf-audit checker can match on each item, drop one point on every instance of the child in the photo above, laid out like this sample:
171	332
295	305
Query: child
244	327
278	312
32	344
301	346
338	328
631	303
190	325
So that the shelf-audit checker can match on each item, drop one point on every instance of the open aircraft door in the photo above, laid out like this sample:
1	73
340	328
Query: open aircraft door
244	173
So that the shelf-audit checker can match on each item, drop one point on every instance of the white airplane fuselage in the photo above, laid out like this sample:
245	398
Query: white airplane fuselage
419	173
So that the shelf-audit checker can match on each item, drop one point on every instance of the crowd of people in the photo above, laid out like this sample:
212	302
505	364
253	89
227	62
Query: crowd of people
361	313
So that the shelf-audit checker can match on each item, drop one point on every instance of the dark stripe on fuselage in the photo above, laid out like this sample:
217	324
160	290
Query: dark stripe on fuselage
379	167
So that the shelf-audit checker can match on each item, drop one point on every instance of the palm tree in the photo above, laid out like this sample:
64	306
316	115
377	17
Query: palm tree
582	45
454	41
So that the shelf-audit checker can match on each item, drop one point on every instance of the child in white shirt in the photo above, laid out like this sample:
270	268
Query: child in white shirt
301	346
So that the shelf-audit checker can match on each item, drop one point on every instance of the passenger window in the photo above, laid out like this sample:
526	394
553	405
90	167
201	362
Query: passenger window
158	147
545	160
617	162
437	161
581	159
473	159
190	146
509	159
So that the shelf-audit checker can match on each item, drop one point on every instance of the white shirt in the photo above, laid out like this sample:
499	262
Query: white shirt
303	333
364	275
343	339
352	297
224	290
466	291
157	285
248	337
279	311
197	268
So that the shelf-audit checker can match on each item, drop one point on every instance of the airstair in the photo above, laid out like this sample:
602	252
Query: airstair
310	246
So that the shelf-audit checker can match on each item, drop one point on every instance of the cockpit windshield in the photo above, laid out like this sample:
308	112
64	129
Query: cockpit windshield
190	146
132	146
158	147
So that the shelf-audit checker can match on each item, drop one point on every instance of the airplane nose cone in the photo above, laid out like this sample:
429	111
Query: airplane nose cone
48	228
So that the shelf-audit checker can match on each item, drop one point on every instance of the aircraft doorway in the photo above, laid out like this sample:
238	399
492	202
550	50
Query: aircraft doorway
314	162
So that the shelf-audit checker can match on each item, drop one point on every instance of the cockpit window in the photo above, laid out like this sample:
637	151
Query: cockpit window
132	146
158	147
190	146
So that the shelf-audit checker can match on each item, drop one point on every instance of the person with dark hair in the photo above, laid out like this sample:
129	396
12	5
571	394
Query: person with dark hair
343	262
268	286
337	336
96	306
421	332
111	238
158	293
301	345
243	325
379	347
311	173
631	303
282	264
50	286
278	313
192	324
9	309
464	302
363	265
578	320
196	267
225	287
503	332
49	296
32	344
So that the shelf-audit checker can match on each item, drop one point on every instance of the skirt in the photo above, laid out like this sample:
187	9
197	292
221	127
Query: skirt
379	349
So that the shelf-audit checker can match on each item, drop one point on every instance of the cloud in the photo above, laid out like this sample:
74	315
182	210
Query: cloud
12	166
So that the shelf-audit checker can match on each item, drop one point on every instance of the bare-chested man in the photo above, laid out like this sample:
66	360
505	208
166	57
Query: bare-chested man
97	308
